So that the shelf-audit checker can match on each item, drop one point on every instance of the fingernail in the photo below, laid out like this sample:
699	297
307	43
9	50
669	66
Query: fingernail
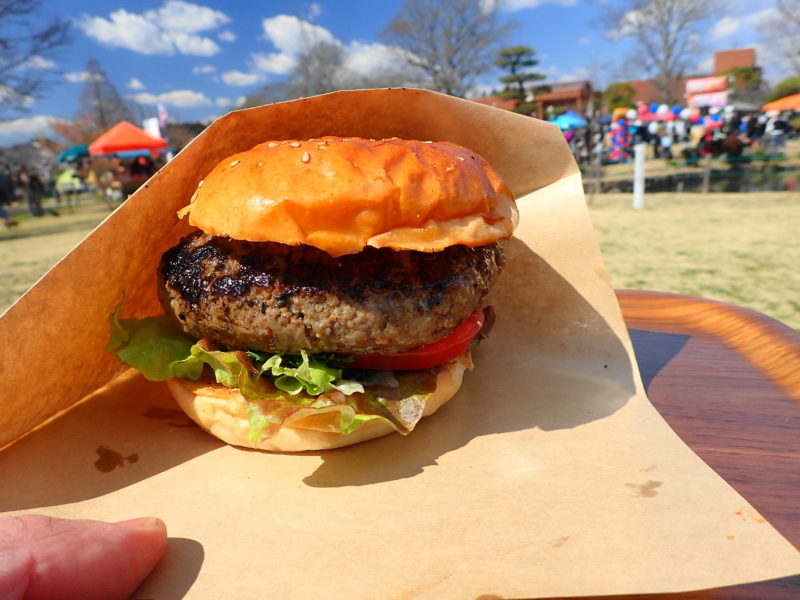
142	523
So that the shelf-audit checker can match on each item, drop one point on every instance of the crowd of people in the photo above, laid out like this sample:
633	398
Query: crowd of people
111	177
684	135
24	185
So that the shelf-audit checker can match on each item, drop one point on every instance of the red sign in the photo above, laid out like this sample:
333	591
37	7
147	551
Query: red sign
708	99
706	84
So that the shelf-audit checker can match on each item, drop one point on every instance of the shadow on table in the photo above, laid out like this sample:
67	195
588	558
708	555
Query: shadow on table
654	350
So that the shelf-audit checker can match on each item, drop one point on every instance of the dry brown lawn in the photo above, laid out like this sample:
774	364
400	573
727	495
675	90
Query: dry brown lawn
28	251
740	248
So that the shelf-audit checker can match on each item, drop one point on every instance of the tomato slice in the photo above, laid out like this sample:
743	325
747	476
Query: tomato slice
428	355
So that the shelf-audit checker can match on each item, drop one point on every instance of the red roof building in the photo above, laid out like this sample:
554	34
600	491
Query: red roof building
508	104
573	95
724	62
727	60
647	91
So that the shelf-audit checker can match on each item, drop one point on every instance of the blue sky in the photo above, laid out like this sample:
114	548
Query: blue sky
200	58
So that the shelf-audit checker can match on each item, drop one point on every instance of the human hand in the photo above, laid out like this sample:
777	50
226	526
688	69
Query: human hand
43	558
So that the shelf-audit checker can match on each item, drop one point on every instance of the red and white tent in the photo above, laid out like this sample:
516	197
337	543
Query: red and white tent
125	137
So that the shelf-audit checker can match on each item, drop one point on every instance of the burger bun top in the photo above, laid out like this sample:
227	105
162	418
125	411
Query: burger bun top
343	194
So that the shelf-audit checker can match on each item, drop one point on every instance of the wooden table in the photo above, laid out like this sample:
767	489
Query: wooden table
727	379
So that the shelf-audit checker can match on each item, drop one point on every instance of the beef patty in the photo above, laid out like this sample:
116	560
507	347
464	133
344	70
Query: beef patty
272	297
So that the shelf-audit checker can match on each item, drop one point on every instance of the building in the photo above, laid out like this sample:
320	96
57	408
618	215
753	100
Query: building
724	62
648	92
574	95
508	104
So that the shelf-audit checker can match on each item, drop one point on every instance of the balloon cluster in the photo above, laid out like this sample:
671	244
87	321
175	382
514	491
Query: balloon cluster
654	112
664	112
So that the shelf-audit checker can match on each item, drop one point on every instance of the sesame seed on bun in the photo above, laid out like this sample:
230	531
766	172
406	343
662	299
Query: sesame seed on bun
344	194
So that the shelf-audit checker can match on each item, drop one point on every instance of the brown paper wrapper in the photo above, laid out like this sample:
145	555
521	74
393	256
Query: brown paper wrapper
549	474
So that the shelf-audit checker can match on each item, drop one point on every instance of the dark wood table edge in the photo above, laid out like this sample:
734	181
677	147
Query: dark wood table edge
769	345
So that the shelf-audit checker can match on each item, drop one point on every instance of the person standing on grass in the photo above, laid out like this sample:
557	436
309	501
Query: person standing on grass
6	196
32	200
7	220
32	190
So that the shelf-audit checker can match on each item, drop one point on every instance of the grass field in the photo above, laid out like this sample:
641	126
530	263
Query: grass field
29	250
738	248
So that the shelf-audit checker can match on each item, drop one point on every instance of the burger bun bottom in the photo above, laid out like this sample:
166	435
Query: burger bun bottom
221	412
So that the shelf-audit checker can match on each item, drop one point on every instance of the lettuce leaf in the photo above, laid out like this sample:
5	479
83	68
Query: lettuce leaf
278	388
150	345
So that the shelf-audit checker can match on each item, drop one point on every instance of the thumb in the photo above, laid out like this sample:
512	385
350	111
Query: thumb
42	557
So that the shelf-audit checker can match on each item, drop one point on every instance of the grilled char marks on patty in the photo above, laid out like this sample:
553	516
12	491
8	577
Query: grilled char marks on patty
273	297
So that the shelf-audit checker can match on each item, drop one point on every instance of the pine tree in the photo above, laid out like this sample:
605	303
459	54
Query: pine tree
515	60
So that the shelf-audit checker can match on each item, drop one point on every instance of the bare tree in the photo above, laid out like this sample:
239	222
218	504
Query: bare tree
27	50
317	71
80	131
277	91
323	67
100	100
781	32
100	107
667	34
180	134
451	41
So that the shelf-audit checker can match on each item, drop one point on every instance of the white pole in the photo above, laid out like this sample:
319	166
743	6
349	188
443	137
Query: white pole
639	151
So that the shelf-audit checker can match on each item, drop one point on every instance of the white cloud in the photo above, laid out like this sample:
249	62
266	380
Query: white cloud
183	98
705	66
480	90
725	27
514	5
134	83
179	16
194	44
240	101
293	36
366	59
222	102
227	36
204	69
278	63
18	131
577	74
761	16
167	30
314	10
38	62
238	78
585	39
11	96
129	31
626	26
81	76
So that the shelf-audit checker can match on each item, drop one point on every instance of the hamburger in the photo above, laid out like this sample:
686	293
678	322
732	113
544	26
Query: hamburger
331	292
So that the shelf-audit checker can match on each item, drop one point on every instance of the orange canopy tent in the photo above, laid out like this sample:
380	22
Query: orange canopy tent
124	137
787	103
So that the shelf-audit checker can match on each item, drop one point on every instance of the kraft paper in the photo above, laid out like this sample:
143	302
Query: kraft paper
549	474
